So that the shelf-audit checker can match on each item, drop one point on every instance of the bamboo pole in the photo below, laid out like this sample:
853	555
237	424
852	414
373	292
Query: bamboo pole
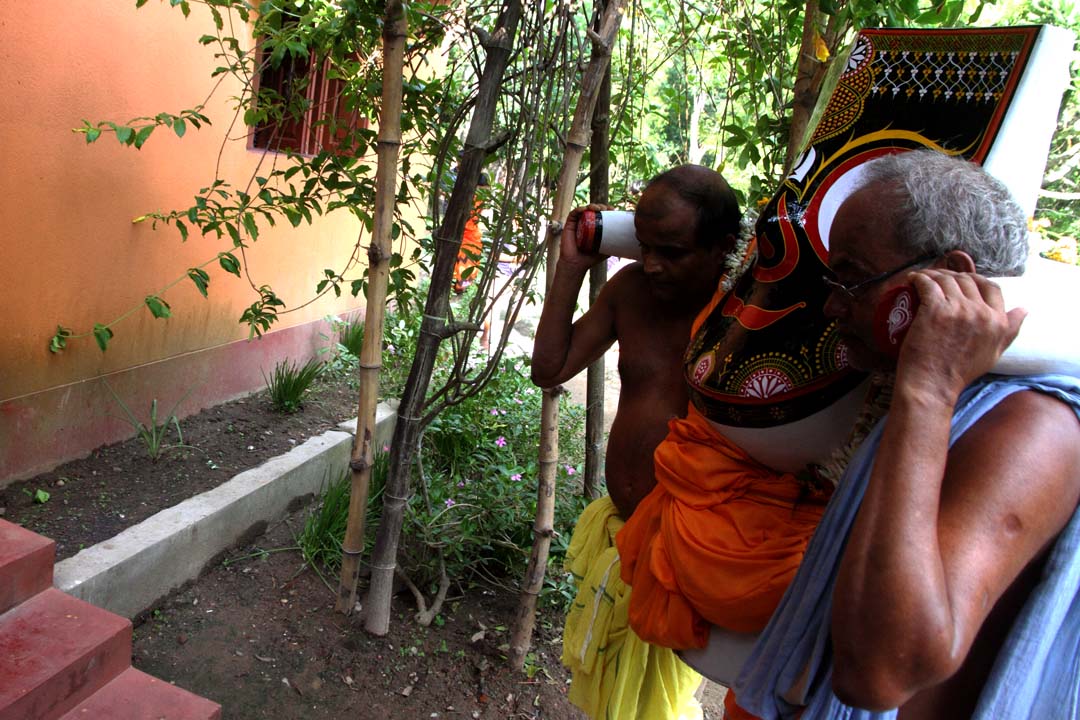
596	375
576	142
388	148
434	328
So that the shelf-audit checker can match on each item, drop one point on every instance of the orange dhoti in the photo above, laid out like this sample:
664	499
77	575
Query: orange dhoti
716	542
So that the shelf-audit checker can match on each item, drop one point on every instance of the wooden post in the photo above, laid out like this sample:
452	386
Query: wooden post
389	145
596	375
434	328
576	142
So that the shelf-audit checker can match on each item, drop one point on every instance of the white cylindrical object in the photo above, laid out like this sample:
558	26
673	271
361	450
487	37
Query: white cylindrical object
608	232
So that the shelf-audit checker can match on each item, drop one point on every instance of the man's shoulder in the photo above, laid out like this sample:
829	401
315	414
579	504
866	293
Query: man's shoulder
1038	416
627	285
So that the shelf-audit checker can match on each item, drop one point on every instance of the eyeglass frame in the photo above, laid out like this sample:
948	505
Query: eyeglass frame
851	292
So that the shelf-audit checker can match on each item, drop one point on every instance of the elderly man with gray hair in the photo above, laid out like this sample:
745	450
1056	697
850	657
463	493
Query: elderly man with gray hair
943	579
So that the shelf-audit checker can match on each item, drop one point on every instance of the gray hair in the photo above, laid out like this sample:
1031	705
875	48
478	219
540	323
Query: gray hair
942	203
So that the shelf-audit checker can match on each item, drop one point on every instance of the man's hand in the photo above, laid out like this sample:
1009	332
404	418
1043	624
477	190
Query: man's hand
569	254
959	332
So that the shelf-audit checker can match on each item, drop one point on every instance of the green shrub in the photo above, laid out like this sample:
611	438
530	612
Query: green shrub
289	382
478	463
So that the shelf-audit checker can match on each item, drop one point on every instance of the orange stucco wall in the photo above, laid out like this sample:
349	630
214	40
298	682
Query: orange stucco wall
70	253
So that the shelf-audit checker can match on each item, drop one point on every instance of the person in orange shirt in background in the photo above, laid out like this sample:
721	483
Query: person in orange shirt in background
472	245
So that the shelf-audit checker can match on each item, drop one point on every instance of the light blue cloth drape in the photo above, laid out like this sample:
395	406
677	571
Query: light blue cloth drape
1037	672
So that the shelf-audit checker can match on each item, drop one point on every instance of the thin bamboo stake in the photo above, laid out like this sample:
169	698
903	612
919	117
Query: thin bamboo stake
576	142
363	452
596	375
434	328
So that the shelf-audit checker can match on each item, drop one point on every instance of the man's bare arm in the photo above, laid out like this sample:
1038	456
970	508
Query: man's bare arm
941	534
562	348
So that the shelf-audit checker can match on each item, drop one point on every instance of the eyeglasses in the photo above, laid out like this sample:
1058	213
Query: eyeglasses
850	292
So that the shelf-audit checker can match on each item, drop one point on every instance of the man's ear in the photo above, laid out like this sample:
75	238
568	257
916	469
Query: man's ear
959	261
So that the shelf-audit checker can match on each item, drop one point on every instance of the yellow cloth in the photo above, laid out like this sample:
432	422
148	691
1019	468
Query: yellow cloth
616	675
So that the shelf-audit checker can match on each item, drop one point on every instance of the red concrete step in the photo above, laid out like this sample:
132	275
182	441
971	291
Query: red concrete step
26	564
56	651
134	695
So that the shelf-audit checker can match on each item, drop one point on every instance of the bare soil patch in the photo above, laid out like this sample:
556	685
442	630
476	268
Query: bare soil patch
118	485
259	634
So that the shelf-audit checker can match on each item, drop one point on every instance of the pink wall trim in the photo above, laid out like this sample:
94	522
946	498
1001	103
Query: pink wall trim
45	429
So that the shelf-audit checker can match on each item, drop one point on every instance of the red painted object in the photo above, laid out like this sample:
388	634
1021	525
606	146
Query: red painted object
61	657
56	651
134	695
26	564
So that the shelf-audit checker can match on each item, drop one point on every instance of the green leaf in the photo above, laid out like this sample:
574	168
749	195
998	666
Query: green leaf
59	340
124	134
41	497
357	287
234	233
92	134
179	127
158	307
229	263
251	226
140	3
183	230
200	278
102	335
142	136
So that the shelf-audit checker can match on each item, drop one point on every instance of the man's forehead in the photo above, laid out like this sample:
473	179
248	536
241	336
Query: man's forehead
864	226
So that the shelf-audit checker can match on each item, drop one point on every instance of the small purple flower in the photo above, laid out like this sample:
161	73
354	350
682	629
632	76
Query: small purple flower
516	477
386	448
570	470
519	401
494	411
502	412
500	441
391	349
461	483
450	502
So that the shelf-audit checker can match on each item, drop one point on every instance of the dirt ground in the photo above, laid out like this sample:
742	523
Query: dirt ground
258	632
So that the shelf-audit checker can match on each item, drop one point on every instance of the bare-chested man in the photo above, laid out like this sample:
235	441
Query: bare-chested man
687	222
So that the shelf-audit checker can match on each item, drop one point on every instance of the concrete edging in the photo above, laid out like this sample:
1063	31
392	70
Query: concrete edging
130	572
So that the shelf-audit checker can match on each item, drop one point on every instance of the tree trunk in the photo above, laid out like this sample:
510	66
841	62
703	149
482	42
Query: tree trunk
810	73
576	142
434	328
389	144
600	166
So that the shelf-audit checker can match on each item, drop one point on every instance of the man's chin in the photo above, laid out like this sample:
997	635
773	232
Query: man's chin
663	290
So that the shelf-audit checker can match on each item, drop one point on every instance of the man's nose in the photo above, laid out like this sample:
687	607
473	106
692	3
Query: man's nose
836	305
653	266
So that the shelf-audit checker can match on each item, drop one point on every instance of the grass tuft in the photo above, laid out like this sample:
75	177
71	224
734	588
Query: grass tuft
289	383
324	529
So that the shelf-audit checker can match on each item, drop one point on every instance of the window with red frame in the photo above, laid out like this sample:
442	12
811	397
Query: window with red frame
325	124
